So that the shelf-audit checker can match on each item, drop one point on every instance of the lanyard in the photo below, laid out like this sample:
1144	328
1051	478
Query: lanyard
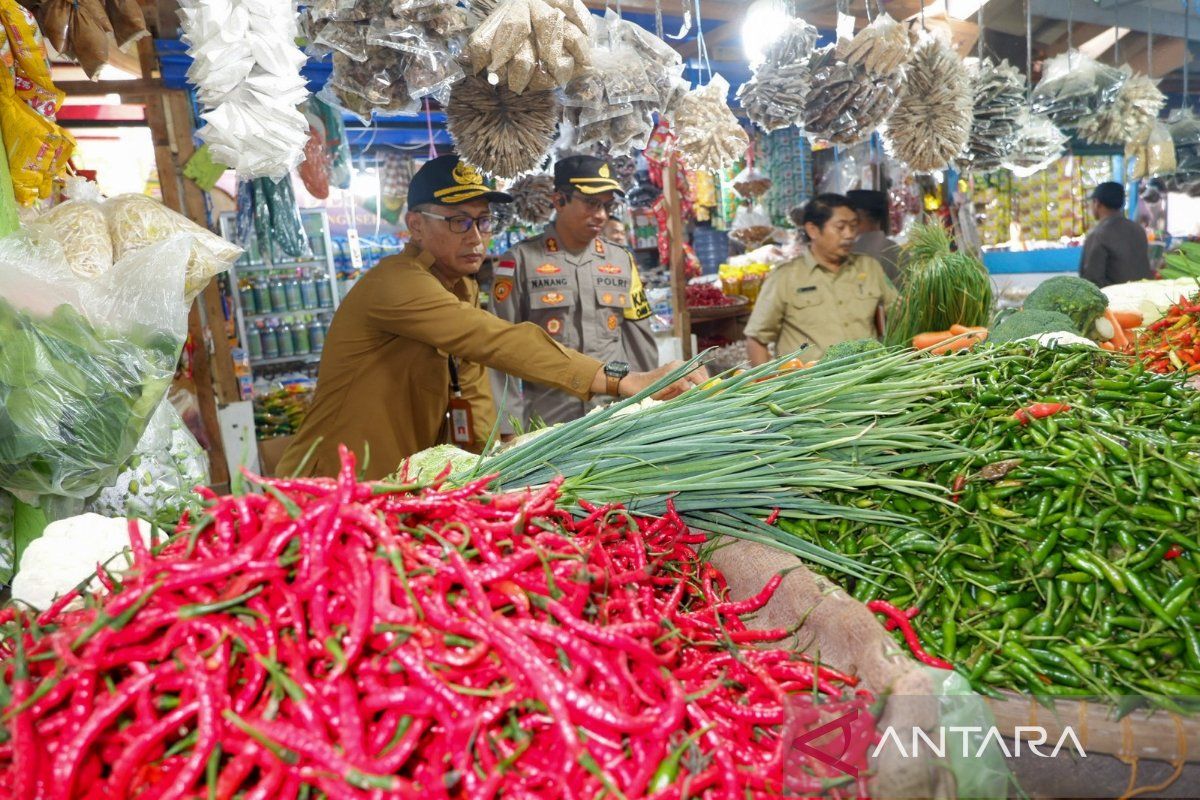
455	387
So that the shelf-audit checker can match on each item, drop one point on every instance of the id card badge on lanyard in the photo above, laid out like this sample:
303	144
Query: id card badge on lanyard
461	423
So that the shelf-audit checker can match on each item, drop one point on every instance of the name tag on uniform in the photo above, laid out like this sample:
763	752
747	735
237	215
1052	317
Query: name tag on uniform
461	425
804	289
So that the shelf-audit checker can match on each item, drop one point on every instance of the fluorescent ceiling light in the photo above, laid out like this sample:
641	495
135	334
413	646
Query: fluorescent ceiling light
765	22
1099	45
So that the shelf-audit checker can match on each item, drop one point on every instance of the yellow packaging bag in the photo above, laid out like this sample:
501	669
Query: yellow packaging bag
29	65
38	149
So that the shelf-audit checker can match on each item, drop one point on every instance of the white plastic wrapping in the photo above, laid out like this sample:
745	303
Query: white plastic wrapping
1152	153
881	48
246	70
533	44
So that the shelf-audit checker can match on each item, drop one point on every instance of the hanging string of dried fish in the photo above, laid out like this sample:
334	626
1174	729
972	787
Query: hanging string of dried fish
533	198
1131	114
1039	144
774	96
999	97
533	44
1075	87
932	123
707	134
845	105
503	133
880	48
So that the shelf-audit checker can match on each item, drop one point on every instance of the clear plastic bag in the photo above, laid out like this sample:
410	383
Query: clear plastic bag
751	227
136	222
80	227
1153	154
999	98
708	135
751	183
845	105
881	48
347	38
1038	145
156	483
287	228
84	363
1129	116
1074	87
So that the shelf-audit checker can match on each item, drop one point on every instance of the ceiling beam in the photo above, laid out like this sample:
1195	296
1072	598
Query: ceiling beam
1162	22
1169	55
1080	33
710	9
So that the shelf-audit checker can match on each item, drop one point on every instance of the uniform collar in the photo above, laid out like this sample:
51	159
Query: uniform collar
813	265
421	257
553	244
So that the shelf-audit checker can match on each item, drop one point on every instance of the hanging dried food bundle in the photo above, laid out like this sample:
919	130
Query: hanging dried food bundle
1131	114
246	69
708	135
751	183
751	227
880	48
1152	153
845	105
633	76
933	120
533	44
999	98
1039	144
774	97
1074	88
503	133
388	55
79	28
533	198
1184	128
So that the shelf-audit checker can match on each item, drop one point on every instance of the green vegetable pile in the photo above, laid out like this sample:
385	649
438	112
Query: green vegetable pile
1183	263
74	399
1026	323
853	347
1070	565
1078	299
941	287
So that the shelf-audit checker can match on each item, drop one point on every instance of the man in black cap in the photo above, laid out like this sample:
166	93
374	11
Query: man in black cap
582	290
1116	249
873	241
410	343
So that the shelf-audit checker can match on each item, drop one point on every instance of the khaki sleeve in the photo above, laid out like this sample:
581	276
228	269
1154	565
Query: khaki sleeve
509	303
766	321
418	307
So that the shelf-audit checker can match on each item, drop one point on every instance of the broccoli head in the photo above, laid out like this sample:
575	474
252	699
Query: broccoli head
1067	294
1027	323
853	347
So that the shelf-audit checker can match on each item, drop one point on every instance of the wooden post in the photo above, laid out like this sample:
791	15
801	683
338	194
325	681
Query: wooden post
169	132
683	320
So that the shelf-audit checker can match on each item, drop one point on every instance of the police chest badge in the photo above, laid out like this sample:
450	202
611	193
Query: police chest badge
612	322
502	289
554	326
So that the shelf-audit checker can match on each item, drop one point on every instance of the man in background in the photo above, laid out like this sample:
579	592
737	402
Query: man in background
614	231
581	289
1116	249
830	294
873	241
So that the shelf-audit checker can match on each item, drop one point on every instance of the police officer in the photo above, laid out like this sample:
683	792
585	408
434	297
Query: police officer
406	355
581	289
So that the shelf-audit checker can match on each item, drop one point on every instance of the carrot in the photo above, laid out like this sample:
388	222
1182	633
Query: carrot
1119	339
963	343
924	340
1108	346
958	330
1128	319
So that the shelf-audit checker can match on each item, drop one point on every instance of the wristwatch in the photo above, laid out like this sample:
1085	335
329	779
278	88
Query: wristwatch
614	371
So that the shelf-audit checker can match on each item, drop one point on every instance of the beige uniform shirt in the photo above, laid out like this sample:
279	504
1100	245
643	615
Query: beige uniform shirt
591	301
803	303
384	379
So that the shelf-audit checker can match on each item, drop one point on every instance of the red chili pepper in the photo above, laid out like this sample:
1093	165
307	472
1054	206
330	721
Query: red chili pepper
960	483
901	621
1039	411
1173	552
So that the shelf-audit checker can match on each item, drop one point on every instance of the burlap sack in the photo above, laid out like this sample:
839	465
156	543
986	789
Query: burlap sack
842	633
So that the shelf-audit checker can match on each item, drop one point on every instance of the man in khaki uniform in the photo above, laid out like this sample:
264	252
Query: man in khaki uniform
582	289
412	327
828	295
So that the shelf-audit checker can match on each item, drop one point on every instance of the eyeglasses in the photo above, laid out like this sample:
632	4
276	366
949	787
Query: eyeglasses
612	207
462	223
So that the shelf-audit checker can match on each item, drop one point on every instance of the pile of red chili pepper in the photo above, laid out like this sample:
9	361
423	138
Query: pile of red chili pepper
1173	343
706	295
351	640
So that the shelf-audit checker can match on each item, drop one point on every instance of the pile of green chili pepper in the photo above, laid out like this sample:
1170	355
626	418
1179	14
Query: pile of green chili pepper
1067	561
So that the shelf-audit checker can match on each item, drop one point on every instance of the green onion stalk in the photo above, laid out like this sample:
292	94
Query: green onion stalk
730	453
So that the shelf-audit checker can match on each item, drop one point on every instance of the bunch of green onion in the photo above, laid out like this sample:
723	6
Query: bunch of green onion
939	287
731	453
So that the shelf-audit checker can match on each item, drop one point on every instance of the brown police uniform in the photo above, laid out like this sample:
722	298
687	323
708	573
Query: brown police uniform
591	301
805	303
